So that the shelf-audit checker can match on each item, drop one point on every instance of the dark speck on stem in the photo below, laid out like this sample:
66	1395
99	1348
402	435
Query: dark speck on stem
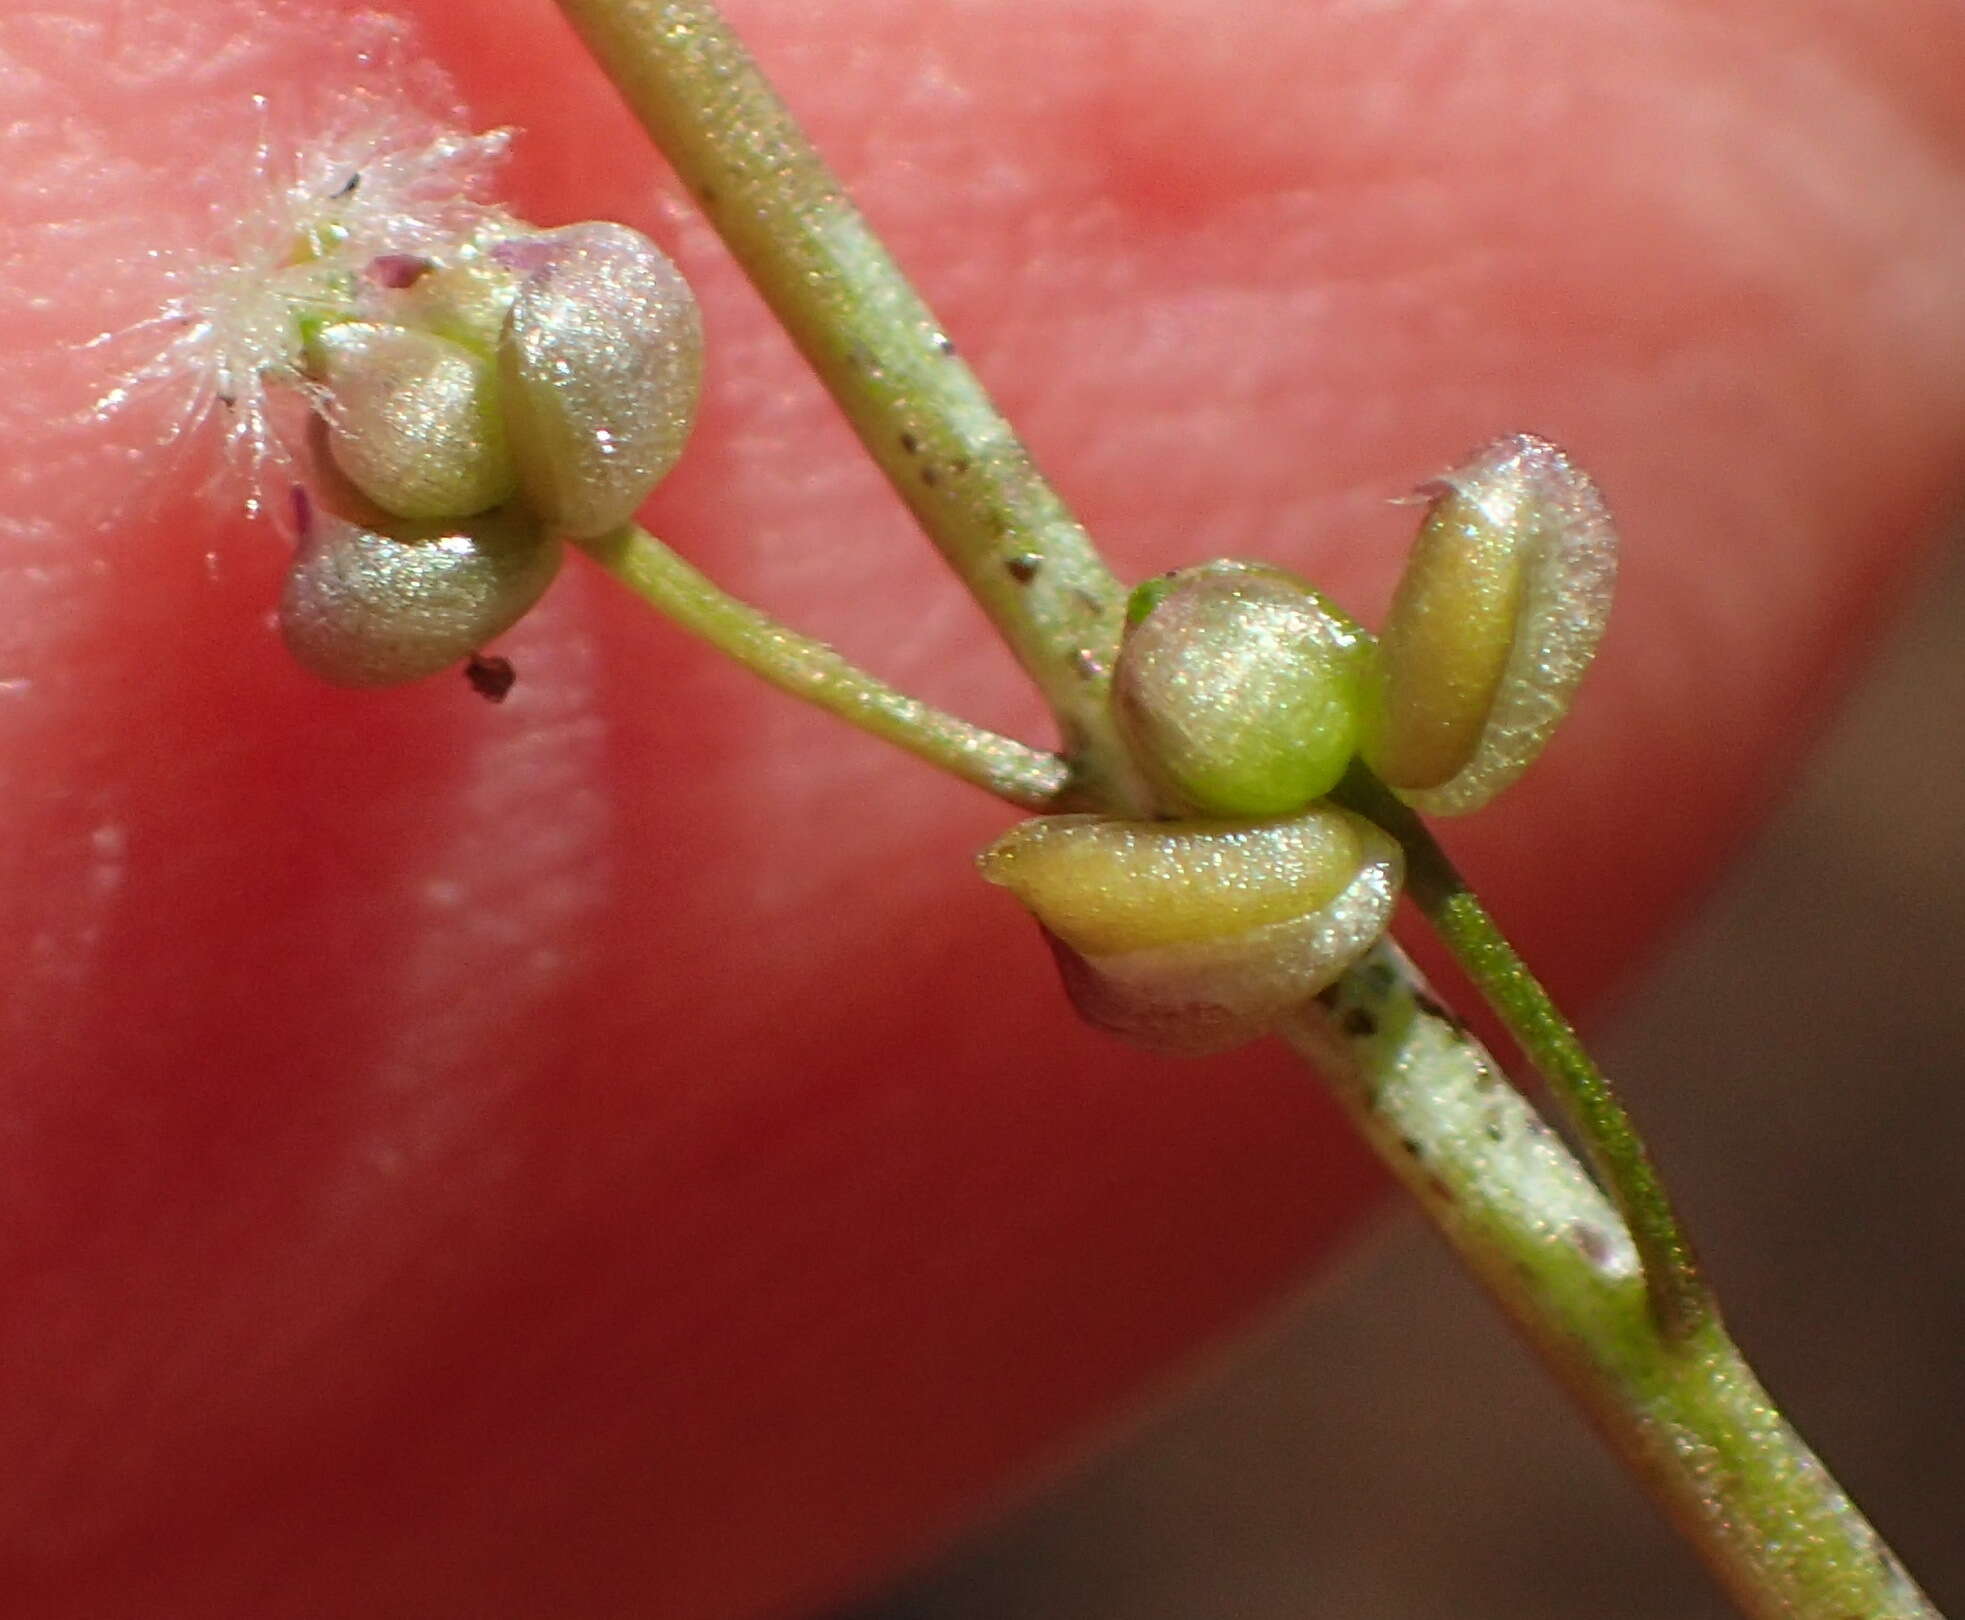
1022	567
910	445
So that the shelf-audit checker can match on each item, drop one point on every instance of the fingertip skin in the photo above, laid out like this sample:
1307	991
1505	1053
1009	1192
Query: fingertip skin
605	1153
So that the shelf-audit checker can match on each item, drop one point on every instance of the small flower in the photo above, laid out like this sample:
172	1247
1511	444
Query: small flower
443	389
225	350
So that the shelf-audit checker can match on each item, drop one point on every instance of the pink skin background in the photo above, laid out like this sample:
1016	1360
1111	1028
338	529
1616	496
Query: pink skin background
607	1154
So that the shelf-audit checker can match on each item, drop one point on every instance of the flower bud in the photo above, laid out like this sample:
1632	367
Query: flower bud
412	420
1238	689
1196	936
1494	621
367	608
601	358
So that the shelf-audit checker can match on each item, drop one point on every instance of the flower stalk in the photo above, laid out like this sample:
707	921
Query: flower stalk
796	664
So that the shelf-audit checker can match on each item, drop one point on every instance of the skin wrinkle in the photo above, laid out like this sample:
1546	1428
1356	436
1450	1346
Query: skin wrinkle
476	965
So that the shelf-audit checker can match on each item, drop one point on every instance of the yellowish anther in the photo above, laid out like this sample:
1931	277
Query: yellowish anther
413	420
318	239
1196	936
1495	619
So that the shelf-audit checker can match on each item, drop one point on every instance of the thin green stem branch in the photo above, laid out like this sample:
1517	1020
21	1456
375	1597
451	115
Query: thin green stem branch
1684	1409
894	371
1679	1291
1024	776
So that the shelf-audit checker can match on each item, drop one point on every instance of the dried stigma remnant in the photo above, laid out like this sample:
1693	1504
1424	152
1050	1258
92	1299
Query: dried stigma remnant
1198	936
1496	617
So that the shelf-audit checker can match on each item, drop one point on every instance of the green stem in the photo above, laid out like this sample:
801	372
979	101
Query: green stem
1678	1290
1025	776
1683	1408
886	359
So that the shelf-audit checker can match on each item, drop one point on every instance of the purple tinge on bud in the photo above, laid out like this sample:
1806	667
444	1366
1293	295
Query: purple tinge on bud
466	301
601	359
398	270
365	608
